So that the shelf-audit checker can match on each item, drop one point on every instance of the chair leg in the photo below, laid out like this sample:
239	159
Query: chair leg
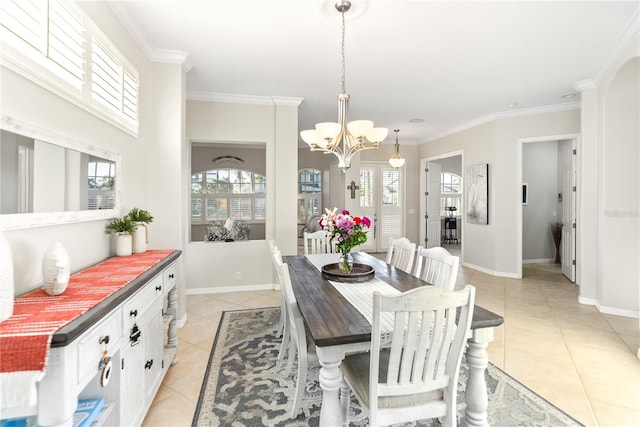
280	327
345	402
300	384
292	357
286	342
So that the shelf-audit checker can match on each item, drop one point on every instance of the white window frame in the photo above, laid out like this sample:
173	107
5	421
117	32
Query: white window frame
32	63
449	194
204	196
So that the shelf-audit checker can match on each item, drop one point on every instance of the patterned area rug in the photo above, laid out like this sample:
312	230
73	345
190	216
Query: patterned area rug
245	386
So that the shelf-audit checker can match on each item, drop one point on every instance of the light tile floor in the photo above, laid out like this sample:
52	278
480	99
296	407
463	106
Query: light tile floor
582	361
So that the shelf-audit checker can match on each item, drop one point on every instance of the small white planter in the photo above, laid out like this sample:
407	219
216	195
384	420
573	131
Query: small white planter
140	238
6	279
124	244
55	269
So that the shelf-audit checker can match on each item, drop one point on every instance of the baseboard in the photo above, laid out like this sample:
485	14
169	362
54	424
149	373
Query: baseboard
182	321
609	310
587	301
618	311
538	261
491	272
226	289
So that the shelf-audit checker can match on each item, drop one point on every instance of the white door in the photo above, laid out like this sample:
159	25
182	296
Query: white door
382	200
432	216
568	241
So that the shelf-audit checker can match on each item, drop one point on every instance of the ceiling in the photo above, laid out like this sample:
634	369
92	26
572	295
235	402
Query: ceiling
449	63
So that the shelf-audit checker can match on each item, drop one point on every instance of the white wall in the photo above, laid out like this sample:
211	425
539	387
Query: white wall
216	266
493	248
618	278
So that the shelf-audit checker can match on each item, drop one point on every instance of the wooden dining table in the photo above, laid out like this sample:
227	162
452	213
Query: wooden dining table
338	328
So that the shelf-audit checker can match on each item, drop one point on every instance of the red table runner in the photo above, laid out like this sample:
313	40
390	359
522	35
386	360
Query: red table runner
26	336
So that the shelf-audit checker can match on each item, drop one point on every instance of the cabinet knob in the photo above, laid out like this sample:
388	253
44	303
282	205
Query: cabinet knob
148	364
171	276
133	313
104	339
158	288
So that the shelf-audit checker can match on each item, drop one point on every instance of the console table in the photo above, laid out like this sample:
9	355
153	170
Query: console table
113	348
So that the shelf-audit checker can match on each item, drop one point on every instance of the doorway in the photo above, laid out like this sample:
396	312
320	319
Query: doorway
382	200
441	224
547	208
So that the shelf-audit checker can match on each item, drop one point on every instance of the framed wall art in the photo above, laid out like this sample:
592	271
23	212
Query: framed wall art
478	194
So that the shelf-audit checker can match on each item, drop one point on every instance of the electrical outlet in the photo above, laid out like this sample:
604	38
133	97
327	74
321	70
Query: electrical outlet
238	275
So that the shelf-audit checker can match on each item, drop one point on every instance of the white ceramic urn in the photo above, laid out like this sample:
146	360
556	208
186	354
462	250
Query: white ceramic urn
55	269
124	244
140	238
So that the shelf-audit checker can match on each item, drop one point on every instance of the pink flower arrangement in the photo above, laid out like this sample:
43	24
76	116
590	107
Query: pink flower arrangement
346	231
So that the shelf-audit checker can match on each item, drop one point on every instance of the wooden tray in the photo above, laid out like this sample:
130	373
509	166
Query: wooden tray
359	273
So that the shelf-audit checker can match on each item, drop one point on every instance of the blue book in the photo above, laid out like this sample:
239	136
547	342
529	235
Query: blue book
86	412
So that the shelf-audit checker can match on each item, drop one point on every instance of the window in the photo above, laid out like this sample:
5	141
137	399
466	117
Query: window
218	194
54	43
102	177
450	194
309	194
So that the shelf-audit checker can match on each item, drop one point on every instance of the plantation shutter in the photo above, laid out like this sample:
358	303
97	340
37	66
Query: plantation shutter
26	19
390	222
130	96
66	46
106	78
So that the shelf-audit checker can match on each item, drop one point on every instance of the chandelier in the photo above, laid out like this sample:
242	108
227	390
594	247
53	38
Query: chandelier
396	161
344	138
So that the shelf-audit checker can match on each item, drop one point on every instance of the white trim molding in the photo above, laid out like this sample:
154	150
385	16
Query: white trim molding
226	289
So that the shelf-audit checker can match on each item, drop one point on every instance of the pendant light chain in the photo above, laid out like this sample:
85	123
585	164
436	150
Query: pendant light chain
344	87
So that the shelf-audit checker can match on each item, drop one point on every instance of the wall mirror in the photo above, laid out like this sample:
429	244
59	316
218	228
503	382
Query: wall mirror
47	178
228	191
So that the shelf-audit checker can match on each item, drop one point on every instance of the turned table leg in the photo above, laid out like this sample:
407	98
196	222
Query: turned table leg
476	390
331	382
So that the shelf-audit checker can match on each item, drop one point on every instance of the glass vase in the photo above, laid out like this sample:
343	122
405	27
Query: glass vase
345	262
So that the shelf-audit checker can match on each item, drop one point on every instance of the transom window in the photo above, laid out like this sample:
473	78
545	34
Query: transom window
218	194
450	194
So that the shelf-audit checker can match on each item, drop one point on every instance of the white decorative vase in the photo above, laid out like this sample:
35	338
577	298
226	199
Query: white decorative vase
140	238
6	279
124	244
55	269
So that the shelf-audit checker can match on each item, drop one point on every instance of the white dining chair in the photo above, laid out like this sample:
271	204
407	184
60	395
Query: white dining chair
273	248
284	330
317	242
299	345
401	253
415	376
437	267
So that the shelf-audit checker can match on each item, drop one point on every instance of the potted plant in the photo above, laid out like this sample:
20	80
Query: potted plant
123	228
141	218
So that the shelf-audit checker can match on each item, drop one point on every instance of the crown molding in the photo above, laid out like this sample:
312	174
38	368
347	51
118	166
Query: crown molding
243	99
583	85
508	115
153	54
629	35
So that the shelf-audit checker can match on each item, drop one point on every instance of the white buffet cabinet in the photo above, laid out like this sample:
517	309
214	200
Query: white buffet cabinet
139	335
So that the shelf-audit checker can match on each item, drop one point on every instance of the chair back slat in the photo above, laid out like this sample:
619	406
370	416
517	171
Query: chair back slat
424	342
401	253
437	267
318	242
